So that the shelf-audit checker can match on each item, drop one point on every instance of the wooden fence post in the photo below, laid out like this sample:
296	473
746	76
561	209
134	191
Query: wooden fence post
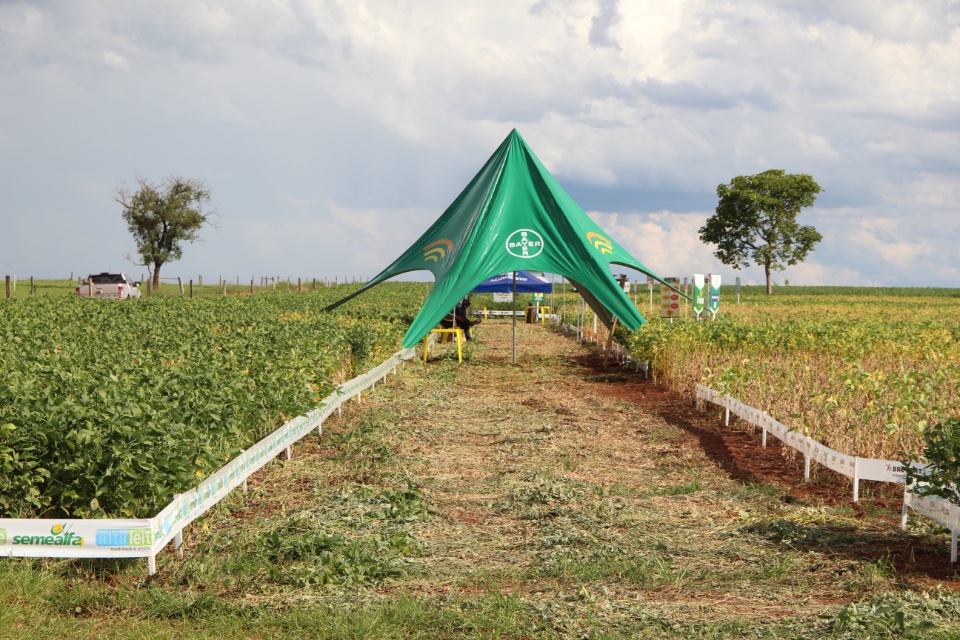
251	284
199	282
32	289
299	285
224	288
191	287
8	286
180	282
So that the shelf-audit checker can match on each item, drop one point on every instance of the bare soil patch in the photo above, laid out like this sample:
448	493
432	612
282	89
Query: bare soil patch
737	451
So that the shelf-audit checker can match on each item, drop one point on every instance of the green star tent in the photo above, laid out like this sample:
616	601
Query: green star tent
514	215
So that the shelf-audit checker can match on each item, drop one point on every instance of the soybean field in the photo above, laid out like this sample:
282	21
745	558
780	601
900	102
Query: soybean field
108	408
865	371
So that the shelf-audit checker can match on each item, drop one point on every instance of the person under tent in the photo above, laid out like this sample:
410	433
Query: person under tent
460	316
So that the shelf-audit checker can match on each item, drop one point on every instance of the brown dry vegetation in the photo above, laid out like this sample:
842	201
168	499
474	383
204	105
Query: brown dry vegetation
861	372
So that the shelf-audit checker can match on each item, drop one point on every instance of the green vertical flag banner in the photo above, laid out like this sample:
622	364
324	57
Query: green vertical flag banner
714	294
698	299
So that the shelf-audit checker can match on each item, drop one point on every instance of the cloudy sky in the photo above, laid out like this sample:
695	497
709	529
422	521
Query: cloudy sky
331	133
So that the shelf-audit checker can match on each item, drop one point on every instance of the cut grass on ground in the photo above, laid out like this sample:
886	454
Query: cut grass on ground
496	500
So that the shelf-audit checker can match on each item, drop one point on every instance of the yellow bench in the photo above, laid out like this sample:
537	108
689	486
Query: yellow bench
445	333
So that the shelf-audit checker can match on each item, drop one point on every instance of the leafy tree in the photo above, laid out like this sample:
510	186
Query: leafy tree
756	220
163	217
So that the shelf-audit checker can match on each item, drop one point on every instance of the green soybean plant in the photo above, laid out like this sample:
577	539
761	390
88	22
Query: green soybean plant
942	451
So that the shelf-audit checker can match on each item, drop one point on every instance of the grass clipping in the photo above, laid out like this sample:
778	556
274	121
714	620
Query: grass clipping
554	497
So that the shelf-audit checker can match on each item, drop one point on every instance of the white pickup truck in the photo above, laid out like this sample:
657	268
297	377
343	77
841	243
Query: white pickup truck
109	285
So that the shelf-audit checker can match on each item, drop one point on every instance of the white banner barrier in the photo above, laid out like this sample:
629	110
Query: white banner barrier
42	538
941	511
144	538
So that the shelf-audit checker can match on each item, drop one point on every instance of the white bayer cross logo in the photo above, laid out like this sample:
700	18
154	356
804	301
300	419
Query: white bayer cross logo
525	243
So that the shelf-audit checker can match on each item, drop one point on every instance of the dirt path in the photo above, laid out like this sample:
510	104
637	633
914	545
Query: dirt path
596	498
559	474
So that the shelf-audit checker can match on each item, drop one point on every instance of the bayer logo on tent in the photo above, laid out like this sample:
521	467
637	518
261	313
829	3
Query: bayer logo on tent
525	243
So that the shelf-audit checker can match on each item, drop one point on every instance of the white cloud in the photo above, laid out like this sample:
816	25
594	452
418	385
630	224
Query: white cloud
937	192
116	61
882	237
813	273
369	110
667	243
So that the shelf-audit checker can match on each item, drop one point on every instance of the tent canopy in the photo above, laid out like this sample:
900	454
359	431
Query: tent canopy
514	215
503	283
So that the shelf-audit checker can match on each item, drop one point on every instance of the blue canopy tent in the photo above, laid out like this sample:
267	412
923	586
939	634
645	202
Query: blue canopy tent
503	283
514	281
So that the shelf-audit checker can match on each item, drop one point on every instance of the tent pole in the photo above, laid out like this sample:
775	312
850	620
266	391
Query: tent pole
514	317
553	285
578	312
578	315
613	327
581	316
606	355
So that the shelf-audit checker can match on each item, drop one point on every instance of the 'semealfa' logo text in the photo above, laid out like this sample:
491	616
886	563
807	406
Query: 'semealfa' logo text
59	536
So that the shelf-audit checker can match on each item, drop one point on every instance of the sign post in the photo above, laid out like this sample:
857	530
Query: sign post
670	299
685	294
536	302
